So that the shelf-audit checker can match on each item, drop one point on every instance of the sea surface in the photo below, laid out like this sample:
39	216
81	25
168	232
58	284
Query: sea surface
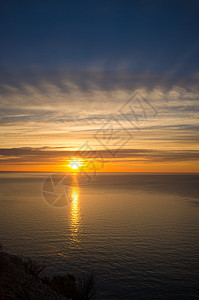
139	233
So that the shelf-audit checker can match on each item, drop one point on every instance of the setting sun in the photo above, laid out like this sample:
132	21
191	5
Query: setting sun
75	163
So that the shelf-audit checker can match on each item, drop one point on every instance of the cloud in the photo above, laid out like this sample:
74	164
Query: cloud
46	80
47	155
58	109
85	96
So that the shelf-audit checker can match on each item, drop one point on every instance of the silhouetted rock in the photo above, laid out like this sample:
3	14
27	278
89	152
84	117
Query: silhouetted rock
17	282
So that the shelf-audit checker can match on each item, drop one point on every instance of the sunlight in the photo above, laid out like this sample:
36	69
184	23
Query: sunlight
75	163
75	217
75	193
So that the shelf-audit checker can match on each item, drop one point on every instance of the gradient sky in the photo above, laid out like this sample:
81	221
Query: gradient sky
113	81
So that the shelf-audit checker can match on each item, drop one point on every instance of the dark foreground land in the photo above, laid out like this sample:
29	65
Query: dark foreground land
19	279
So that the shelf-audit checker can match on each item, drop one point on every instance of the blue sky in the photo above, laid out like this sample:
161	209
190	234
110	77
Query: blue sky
141	36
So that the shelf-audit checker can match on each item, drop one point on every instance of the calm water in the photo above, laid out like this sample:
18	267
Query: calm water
139	233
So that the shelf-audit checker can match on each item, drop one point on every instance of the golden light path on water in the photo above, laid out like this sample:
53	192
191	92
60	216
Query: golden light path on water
75	214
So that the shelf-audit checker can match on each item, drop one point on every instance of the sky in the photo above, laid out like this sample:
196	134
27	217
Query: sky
108	86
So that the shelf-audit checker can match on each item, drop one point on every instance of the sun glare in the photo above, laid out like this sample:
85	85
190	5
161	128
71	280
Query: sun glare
75	163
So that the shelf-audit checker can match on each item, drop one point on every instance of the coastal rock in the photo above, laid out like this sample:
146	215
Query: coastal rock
17	283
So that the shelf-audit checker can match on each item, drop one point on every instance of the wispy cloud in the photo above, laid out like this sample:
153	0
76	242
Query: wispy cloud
67	109
47	155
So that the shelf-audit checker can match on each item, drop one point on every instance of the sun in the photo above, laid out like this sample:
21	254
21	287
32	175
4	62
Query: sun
75	163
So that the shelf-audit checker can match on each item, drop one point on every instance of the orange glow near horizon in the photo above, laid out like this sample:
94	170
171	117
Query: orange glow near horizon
176	167
113	134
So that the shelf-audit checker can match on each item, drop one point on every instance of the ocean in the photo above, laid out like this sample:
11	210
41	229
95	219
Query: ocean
139	233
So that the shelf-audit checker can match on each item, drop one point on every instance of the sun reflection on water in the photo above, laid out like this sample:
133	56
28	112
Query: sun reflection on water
75	215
